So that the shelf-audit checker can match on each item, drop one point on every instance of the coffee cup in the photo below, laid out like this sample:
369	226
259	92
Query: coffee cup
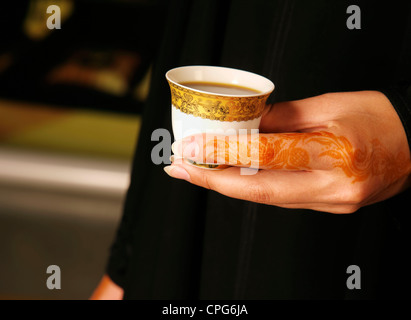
216	100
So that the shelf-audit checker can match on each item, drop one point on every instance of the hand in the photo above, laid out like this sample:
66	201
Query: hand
107	290
335	152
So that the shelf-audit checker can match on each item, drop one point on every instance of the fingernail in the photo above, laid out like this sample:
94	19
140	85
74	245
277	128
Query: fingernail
176	159
176	147
177	172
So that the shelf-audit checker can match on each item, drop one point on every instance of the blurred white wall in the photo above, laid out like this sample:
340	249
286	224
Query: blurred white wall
56	210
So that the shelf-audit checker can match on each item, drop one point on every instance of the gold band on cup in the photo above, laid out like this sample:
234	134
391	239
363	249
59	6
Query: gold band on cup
216	107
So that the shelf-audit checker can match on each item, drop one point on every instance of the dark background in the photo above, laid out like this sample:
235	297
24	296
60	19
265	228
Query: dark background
94	33
89	69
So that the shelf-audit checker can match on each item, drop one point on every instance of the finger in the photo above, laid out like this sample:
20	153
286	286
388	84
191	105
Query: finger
283	151
305	115
309	190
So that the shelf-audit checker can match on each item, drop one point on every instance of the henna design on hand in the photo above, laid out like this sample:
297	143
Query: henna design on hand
295	151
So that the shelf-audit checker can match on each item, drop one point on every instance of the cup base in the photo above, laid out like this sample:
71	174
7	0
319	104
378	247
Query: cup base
208	166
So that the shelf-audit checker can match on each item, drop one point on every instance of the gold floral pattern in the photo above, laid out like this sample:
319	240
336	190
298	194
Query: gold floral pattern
215	107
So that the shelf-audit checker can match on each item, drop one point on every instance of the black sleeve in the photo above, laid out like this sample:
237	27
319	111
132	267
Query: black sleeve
117	264
400	98
120	251
156	114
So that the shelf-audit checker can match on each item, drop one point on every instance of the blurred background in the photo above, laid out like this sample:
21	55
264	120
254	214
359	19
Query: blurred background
70	106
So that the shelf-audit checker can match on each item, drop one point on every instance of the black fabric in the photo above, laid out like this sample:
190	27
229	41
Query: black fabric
179	241
400	97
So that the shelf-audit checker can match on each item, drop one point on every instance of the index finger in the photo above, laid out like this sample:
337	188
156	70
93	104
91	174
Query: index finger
282	151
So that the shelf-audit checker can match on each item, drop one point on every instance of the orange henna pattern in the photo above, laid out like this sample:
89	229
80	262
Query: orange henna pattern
283	151
294	151
360	164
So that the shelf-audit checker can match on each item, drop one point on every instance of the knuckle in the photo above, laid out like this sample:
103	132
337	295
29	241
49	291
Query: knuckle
353	197
258	193
347	209
357	196
348	196
206	181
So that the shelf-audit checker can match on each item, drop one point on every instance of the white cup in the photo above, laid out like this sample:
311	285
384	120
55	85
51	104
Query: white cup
212	110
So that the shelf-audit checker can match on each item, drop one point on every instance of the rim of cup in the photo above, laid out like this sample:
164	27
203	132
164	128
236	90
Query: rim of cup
200	71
